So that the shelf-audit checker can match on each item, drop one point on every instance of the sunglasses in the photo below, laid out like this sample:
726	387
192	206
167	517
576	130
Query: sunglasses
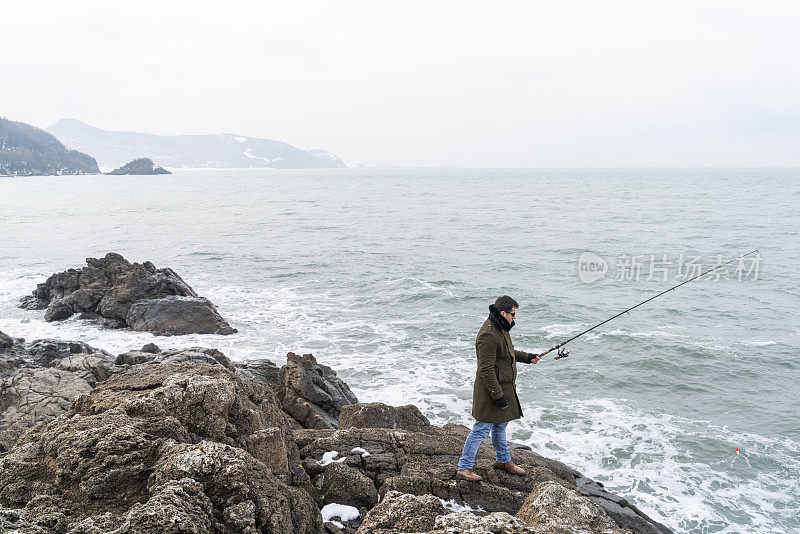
512	314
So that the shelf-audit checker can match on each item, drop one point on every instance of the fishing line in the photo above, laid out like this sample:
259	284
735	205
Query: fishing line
563	353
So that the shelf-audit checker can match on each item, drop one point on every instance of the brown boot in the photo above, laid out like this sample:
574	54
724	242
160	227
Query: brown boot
511	467
468	474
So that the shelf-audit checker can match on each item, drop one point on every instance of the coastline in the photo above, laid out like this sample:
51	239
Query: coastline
653	408
302	413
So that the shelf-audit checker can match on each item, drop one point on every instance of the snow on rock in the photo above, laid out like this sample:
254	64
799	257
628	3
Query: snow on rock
456	507
331	456
358	450
342	511
249	153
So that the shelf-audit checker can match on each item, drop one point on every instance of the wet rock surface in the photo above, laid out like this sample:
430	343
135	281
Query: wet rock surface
379	415
312	393
173	316
6	341
39	380
621	510
260	369
116	293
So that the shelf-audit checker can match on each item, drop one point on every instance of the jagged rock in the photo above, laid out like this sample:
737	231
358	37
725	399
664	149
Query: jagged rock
343	484
151	348
89	367
552	508
249	497
130	283
176	506
193	355
174	316
14	522
401	512
425	514
58	286
210	402
38	381
498	492
164	448
379	415
179	440
623	512
108	288
11	348
424	462
43	352
6	341
135	357
40	384
493	523
312	393
306	436
58	310
260	369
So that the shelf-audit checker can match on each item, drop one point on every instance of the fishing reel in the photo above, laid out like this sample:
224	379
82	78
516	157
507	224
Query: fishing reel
562	353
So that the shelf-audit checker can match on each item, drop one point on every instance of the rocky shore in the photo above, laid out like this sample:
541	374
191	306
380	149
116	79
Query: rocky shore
116	293
187	441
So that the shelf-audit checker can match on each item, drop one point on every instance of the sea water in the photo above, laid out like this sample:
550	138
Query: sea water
386	275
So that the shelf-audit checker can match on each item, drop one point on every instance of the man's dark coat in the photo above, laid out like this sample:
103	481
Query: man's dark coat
497	373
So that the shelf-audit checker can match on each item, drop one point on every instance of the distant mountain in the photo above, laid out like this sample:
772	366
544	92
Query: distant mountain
113	149
140	166
26	150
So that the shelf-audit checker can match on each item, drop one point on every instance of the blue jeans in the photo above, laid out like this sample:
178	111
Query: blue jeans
477	435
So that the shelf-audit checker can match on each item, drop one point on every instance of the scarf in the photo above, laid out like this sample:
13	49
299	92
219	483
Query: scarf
499	320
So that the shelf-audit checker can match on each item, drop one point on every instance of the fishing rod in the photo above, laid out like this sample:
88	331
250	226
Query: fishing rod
563	353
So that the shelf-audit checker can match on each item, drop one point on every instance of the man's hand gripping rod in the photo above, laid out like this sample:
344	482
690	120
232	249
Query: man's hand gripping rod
563	353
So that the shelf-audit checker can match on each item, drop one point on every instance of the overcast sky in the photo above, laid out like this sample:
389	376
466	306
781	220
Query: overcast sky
493	84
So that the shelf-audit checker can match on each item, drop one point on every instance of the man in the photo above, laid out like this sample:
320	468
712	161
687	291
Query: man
494	395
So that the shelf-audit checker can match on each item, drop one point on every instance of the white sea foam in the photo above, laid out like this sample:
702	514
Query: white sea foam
635	453
403	287
654	333
355	275
648	456
561	329
757	343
